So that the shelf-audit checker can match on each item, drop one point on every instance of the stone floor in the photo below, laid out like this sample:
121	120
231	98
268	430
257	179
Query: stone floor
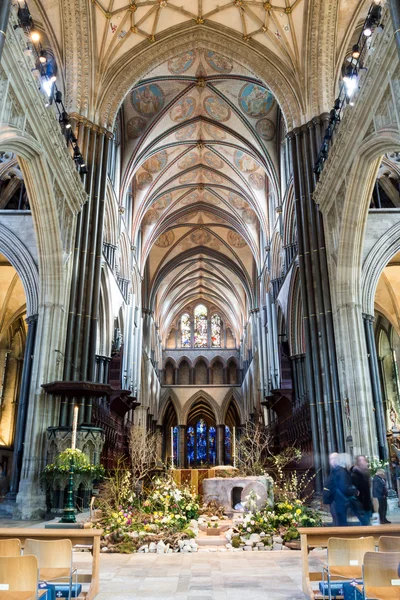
202	576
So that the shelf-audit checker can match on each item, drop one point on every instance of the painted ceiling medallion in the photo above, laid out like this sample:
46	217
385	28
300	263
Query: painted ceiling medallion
200	237
147	100
183	109
186	132
181	63
211	198
255	100
249	216
144	180
188	160
188	177
215	132
257	181
236	240
162	202
214	177
155	163
216	109
190	199
244	162
217	62
166	239
266	129
135	127
150	217
212	160
236	201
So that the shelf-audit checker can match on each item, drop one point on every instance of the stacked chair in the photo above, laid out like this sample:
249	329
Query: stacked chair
45	570
355	571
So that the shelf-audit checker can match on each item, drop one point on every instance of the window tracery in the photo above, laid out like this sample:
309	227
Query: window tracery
200	326
185	330
216	331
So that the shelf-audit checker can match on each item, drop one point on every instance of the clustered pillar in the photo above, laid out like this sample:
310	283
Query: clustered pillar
321	364
80	353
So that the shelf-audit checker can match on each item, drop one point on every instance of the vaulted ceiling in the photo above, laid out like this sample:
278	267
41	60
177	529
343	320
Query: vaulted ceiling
200	148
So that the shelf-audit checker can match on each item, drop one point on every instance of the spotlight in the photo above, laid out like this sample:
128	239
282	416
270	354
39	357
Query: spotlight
43	57
337	104
24	16
350	80
35	36
83	170
368	28
64	119
58	97
356	52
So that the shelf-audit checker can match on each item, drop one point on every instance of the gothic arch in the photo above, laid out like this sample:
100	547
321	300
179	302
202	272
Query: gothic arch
170	396
202	395
383	250
233	397
22	260
135	64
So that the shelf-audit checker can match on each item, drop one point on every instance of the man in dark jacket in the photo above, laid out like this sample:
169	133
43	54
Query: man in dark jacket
344	489
379	491
361	479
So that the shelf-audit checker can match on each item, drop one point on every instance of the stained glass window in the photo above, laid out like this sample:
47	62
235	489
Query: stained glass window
185	330
200	326
175	449
216	331
201	435
190	446
228	446
212	445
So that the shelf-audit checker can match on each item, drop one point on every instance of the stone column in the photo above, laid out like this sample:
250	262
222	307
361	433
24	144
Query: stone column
395	14
182	445
23	407
220	431
375	386
5	6
321	360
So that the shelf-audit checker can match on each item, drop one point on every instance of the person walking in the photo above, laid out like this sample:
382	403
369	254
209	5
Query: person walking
361	479
344	489
328	496
379	491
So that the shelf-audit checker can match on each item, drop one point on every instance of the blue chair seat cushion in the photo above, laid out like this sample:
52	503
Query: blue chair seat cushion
340	589
60	590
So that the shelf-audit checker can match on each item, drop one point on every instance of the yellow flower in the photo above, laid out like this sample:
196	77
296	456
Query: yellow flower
298	511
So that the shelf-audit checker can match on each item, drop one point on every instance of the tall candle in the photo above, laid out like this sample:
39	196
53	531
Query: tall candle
234	447
74	427
172	447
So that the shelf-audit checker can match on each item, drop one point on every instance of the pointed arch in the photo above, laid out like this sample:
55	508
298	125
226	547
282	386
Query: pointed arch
170	396
198	396
233	397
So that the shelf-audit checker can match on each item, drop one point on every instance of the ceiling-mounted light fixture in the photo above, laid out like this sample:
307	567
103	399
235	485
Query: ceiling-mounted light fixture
35	36
356	51
43	57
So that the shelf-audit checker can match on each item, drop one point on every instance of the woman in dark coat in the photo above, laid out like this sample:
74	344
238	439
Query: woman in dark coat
379	491
361	479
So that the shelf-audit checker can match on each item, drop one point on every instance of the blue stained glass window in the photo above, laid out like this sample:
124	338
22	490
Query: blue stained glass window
212	445
190	446
176	442
228	445
201	434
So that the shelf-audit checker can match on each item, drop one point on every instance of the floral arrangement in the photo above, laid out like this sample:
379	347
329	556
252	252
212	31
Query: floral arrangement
62	465
375	464
284	519
171	504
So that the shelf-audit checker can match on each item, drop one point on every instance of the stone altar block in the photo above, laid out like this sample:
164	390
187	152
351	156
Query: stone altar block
230	491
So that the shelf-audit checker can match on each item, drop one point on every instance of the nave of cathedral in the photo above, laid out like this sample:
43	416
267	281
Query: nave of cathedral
199	230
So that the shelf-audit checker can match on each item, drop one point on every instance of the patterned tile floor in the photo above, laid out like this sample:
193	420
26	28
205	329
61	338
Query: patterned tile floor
201	576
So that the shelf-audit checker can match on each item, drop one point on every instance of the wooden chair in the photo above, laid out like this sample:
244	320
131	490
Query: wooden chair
10	547
382	575
345	559
19	578
389	544
54	558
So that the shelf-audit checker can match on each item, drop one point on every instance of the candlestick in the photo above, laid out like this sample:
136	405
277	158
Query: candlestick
234	447
172	447
74	427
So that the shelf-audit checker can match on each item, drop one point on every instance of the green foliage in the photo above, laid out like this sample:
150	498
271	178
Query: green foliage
235	541
62	465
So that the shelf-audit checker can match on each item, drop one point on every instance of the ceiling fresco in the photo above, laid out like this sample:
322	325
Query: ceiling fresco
200	154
